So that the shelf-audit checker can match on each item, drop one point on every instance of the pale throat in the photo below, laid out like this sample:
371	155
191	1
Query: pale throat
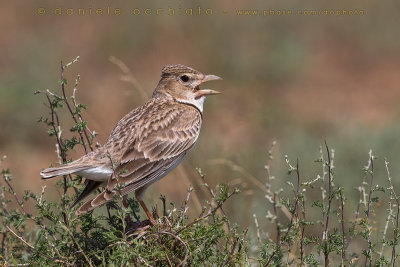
191	99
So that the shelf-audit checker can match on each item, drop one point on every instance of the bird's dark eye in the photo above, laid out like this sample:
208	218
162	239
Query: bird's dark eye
184	78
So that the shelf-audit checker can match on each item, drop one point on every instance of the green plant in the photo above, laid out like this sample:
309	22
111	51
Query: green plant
326	237
53	235
309	220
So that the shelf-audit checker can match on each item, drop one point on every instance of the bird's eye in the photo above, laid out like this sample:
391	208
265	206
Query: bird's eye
184	78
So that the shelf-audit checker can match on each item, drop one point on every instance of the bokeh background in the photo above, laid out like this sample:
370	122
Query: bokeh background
297	80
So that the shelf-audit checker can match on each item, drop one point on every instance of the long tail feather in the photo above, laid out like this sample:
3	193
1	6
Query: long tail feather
90	186
62	170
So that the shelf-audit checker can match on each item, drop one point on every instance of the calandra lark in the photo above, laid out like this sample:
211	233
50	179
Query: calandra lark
147	143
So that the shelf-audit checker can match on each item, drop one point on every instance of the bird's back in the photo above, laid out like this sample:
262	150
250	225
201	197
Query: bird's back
160	118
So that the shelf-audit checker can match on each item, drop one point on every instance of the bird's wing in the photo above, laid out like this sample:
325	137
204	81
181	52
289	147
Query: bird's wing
159	144
158	141
108	195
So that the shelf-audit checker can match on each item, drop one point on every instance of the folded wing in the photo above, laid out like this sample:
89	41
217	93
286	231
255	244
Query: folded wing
159	144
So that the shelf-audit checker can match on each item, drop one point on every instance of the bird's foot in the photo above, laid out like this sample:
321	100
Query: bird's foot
138	228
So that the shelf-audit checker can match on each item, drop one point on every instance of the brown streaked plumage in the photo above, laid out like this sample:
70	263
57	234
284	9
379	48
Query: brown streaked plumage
147	143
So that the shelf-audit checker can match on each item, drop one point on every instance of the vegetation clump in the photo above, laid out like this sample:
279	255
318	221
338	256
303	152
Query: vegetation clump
309	222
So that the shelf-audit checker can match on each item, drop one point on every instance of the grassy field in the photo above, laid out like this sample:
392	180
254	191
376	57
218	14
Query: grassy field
311	216
295	80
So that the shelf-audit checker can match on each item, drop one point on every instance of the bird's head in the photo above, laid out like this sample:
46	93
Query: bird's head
183	84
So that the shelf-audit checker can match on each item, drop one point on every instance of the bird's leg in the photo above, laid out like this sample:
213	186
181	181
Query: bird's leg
146	210
139	194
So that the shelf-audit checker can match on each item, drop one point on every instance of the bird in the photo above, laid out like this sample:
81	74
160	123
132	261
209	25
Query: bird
146	144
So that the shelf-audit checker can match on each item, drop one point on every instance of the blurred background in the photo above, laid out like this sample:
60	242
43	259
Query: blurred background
295	79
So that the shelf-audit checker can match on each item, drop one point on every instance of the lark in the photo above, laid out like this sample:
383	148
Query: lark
147	143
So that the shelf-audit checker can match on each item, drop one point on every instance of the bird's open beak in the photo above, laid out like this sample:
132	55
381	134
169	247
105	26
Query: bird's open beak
204	92
210	77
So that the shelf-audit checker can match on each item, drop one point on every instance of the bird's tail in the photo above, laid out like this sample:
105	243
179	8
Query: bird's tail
62	170
100	199
90	186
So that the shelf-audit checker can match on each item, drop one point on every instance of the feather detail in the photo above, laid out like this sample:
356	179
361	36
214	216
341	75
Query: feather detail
100	199
90	186
63	170
108	194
